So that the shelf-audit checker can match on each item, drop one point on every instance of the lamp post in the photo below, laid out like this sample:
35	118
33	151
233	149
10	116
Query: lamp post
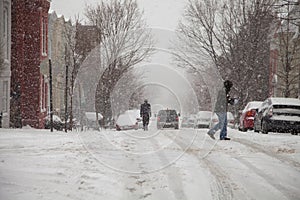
50	96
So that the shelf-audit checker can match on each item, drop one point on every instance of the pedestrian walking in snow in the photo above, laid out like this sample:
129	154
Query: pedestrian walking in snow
145	113
221	109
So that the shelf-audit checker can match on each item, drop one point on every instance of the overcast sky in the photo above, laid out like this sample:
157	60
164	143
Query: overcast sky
162	17
158	13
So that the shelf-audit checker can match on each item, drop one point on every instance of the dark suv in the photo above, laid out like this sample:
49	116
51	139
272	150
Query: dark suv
167	119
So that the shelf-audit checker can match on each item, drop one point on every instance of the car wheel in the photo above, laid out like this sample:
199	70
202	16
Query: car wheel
242	128
294	133
176	127
264	128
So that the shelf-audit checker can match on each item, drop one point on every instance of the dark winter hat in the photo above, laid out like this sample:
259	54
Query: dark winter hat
146	100
228	84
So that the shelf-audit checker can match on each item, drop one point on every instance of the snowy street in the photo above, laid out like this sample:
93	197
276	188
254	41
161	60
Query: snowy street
180	164
214	80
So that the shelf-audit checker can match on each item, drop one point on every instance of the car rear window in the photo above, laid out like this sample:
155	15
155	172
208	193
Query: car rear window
289	110
167	113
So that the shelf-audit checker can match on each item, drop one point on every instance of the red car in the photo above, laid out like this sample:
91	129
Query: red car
248	114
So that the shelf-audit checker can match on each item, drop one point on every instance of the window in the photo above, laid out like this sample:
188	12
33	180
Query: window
43	93
44	36
5	97
5	32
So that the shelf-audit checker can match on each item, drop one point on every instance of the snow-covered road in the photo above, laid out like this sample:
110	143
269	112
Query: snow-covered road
170	164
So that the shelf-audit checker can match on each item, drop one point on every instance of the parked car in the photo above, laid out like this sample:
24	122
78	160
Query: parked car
167	119
203	119
90	120
188	122
129	120
57	123
248	114
230	120
278	115
136	113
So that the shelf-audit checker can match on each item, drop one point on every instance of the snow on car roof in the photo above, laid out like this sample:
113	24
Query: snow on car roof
92	115
133	112
252	105
204	113
55	118
285	101
126	119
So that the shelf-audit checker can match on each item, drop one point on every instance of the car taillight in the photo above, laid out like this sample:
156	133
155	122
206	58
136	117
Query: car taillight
177	118
250	113
158	118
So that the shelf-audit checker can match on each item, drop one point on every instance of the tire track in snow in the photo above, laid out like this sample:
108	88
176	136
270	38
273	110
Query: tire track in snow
258	148
174	177
221	188
287	192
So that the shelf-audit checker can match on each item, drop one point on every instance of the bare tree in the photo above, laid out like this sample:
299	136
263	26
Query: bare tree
127	94
124	42
234	35
74	61
287	42
77	52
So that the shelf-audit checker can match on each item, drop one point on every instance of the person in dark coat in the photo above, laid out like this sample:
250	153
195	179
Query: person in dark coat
221	109
145	113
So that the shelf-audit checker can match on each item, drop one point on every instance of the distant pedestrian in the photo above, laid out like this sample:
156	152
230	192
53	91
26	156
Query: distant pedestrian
221	109
145	113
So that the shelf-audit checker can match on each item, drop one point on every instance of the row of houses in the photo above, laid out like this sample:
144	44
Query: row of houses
23	86
30	35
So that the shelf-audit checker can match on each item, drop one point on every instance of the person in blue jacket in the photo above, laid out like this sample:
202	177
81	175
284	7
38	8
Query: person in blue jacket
221	109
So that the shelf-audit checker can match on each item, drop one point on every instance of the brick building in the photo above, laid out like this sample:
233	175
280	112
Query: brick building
29	50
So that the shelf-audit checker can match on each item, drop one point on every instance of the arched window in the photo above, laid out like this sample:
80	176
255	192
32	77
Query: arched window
5	97
5	33
44	36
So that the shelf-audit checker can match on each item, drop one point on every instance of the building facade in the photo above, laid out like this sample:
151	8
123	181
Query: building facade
284	79
29	50
5	73
57	41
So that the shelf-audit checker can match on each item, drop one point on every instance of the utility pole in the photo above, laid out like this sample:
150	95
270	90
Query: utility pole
51	101
67	59
66	100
